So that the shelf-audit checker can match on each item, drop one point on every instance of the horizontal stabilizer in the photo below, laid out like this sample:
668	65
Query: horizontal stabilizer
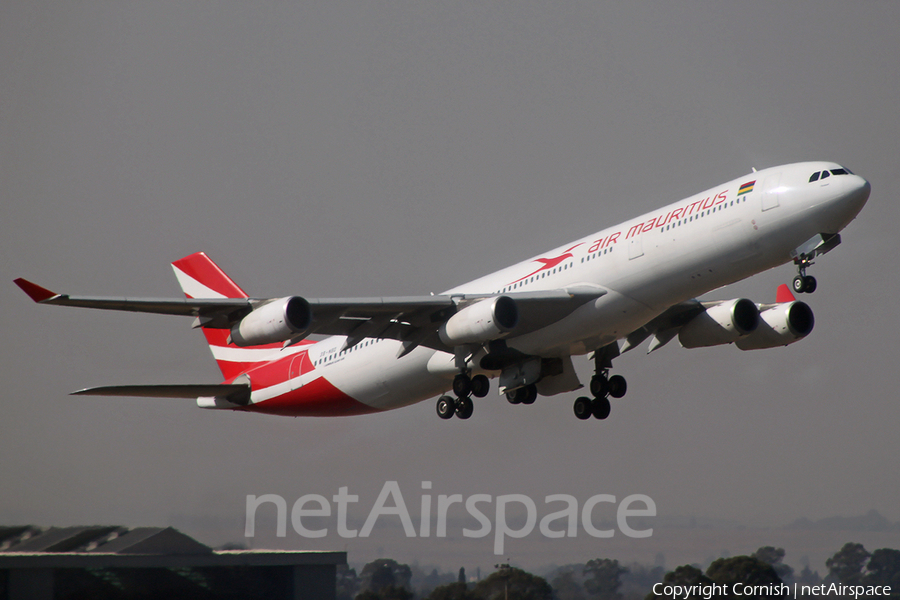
236	393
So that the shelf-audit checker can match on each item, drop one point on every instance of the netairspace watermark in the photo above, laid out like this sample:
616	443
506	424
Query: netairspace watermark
562	522
778	590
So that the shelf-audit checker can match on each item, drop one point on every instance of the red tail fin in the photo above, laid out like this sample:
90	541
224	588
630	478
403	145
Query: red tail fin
784	294
200	277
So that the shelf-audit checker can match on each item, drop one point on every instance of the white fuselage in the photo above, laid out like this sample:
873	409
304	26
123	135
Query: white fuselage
644	265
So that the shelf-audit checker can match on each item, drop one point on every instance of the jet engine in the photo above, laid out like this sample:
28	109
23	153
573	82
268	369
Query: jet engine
276	321
481	322
723	323
780	325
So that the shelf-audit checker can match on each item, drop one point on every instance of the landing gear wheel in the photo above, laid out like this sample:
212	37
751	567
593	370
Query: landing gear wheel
462	385
617	386
530	394
523	395
446	406
582	408
464	408
600	408
599	386
799	285
481	385
809	284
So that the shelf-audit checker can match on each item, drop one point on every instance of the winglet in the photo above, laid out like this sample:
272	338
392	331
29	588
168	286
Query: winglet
34	291
784	294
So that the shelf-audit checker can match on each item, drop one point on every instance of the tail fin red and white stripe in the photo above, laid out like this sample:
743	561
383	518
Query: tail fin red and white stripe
200	277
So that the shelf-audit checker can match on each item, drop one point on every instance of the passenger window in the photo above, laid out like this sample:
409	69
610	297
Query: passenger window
825	174
814	176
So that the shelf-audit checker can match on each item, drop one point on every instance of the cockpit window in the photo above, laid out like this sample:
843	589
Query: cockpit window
823	174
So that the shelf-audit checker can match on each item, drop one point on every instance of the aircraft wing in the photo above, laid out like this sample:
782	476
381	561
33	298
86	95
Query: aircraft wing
665	327
414	320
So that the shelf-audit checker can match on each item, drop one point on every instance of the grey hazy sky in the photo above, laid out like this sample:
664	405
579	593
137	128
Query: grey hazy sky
378	148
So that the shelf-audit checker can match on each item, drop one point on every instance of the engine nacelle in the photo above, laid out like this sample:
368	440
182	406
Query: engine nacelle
723	323
780	325
481	322
276	321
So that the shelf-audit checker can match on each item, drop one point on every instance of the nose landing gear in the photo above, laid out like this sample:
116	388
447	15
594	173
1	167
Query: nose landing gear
803	283
803	257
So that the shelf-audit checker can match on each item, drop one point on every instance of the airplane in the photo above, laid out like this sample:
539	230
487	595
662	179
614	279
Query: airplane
600	295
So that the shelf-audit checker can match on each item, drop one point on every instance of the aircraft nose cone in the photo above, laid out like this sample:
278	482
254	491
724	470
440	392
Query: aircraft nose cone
865	188
854	192
860	190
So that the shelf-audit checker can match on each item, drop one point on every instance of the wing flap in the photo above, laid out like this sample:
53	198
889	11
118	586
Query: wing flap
664	327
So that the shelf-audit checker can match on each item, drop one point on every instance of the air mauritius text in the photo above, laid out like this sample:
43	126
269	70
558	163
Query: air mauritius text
563	521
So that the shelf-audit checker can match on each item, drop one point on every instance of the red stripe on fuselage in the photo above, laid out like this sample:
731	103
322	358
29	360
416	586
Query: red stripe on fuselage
318	398
231	369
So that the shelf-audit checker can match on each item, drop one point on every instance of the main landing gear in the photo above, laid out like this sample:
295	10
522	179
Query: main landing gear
602	387
462	405
523	395
803	283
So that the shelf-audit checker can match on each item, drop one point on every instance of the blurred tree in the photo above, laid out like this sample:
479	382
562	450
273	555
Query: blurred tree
639	579
774	556
847	564
347	583
603	577
452	591
521	585
742	569
384	573
884	569
426	583
808	577
388	593
567	587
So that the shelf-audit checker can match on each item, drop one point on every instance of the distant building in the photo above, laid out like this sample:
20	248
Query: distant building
119	563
